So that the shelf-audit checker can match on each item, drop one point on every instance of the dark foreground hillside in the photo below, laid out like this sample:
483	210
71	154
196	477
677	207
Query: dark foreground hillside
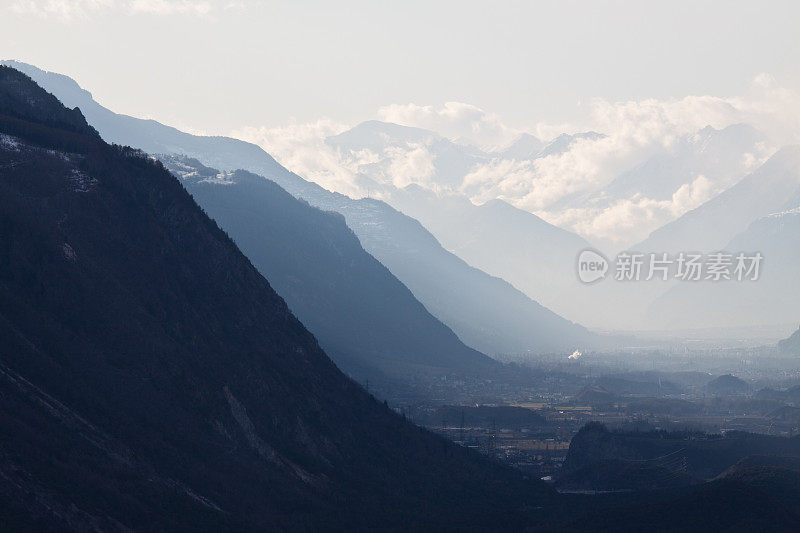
680	481
700	455
151	378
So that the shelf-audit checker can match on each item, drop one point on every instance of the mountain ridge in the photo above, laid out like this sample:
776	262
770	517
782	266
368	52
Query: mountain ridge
152	378
365	318
369	220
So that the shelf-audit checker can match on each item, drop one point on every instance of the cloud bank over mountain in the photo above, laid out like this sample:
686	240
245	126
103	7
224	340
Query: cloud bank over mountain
454	120
566	182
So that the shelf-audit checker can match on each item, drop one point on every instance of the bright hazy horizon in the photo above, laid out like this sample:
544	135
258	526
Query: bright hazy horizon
218	66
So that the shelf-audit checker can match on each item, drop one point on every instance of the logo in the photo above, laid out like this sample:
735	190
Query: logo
592	266
684	266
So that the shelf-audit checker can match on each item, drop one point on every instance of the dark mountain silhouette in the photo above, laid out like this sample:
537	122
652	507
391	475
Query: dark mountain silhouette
365	319
485	312
152	379
748	491
759	492
594	395
697	454
726	385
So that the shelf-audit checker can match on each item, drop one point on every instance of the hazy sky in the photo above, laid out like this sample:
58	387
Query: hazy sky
217	66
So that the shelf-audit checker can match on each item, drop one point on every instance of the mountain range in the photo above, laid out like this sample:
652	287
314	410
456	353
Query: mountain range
504	241
365	319
458	240
463	196
772	188
535	256
486	313
152	378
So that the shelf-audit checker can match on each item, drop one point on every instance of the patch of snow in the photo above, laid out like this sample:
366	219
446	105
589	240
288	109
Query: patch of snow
222	178
9	142
81	182
61	155
795	211
185	174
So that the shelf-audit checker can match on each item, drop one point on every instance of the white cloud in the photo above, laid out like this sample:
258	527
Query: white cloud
454	120
630	220
302	149
557	186
634	131
412	164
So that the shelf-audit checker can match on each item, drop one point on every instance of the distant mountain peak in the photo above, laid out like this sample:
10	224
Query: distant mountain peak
388	130
524	147
67	86
563	142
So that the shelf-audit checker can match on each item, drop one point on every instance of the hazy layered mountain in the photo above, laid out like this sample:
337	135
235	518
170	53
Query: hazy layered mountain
411	170
152	379
774	298
667	184
485	312
365	319
773	187
791	345
716	155
535	256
